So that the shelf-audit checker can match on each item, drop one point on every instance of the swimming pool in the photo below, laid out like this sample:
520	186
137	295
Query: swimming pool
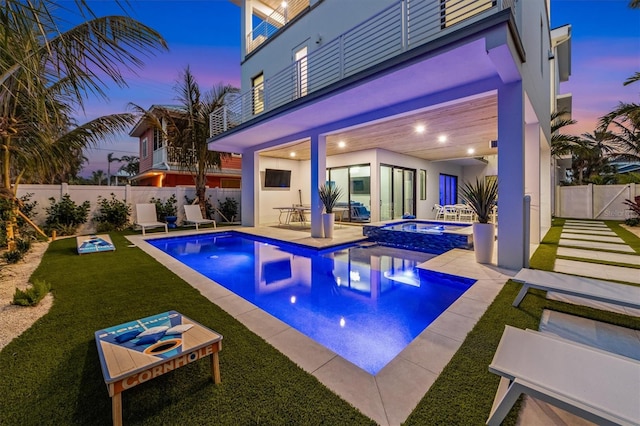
364	303
425	236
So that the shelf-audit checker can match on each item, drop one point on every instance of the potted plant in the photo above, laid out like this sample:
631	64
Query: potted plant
481	197
166	210
329	195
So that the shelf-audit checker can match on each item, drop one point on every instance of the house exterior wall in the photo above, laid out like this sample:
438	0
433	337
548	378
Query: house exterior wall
329	19
146	162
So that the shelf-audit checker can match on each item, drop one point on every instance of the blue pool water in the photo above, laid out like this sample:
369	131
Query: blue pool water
364	303
430	227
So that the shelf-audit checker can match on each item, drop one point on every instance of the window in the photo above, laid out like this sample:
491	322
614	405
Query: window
448	189
257	83
143	148
157	139
301	71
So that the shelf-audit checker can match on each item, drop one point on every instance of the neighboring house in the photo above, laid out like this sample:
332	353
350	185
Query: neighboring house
398	102
159	166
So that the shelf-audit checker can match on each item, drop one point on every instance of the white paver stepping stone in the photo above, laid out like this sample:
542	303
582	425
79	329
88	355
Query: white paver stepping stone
586	222
596	245
588	231
584	225
599	255
612	338
600	238
598	270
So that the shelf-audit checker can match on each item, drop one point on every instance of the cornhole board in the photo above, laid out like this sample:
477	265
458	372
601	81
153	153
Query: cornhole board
130	363
94	243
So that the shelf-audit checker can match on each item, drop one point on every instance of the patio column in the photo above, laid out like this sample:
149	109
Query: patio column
532	177
318	177
249	195
510	175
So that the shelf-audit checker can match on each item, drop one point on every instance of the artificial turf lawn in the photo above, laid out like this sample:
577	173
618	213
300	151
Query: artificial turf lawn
51	373
464	391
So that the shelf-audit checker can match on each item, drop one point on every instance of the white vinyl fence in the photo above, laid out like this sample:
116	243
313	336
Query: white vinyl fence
605	202
132	195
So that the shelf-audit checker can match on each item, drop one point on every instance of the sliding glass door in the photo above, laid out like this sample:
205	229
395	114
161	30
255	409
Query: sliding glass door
397	192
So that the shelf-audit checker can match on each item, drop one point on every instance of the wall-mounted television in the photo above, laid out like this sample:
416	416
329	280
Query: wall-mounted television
274	178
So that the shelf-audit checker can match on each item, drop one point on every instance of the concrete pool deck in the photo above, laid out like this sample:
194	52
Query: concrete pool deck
391	395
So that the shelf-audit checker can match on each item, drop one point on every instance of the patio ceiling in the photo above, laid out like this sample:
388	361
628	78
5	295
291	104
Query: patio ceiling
471	124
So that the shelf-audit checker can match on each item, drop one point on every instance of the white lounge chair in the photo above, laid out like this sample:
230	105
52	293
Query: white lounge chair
146	217
193	214
599	386
588	288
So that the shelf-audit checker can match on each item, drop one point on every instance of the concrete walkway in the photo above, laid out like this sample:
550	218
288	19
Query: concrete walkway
597	246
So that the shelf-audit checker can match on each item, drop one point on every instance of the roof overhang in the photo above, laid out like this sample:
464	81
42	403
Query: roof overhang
561	41
564	105
465	63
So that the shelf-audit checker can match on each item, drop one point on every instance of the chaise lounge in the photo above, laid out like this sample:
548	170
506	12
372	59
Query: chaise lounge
193	214
588	288
146	217
599	386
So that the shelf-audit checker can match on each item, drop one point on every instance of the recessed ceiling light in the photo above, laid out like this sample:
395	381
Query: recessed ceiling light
293	154
471	151
341	144
420	128
442	138
284	4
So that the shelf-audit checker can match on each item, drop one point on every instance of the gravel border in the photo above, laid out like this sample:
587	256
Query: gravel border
16	319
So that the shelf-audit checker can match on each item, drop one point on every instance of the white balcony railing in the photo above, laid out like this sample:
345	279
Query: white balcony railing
276	20
169	156
402	26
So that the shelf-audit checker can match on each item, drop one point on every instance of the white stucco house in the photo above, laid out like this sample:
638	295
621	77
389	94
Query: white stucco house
398	102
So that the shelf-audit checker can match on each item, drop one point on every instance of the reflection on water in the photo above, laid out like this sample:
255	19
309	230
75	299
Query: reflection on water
364	303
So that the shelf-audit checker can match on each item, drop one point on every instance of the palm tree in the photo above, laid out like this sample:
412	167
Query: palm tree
46	73
591	156
98	177
561	144
110	159
623	123
187	129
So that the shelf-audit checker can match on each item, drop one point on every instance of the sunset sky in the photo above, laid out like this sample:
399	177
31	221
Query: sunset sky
205	34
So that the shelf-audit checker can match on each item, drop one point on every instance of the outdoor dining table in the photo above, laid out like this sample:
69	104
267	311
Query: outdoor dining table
129	356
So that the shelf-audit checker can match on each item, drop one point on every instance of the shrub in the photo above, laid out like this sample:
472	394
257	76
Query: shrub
65	216
632	221
22	245
112	214
32	295
13	256
26	207
228	208
165	208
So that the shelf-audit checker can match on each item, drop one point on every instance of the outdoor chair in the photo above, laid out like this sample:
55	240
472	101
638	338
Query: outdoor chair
439	211
450	213
193	215
146	217
588	288
599	386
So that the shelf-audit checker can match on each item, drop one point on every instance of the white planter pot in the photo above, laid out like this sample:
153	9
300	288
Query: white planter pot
328	220
483	241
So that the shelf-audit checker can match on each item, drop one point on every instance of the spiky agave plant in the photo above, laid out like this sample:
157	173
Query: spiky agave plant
481	196
329	195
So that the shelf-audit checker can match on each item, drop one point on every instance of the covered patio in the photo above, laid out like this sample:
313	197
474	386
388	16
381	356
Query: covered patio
437	108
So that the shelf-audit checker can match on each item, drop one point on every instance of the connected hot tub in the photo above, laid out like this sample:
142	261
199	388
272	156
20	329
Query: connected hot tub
424	236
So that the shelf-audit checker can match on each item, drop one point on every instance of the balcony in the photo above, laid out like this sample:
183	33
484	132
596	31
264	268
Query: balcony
280	15
400	27
168	157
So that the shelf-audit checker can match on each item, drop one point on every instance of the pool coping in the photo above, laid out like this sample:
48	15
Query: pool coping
390	396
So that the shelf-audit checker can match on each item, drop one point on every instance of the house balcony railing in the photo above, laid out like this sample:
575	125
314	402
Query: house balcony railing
280	16
402	26
169	156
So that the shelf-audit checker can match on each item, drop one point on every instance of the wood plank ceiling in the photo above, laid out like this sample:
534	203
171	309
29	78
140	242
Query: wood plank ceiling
468	125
